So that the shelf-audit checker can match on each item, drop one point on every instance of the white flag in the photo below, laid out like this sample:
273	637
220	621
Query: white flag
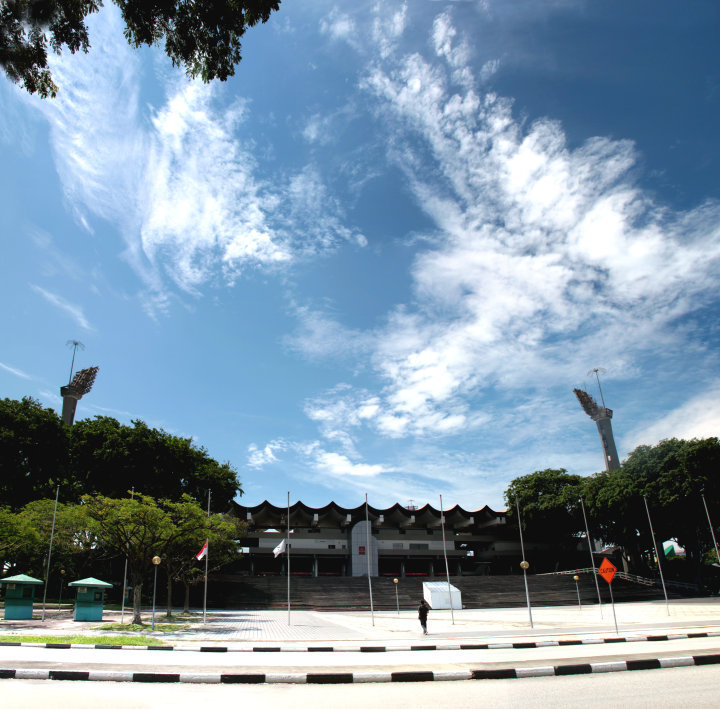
279	549
202	553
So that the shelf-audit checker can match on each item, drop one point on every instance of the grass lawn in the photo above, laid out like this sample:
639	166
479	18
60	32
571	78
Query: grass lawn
83	639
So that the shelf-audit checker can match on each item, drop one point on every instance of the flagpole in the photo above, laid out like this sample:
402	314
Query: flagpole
124	586
592	558
207	560
367	528
47	570
287	555
447	569
717	553
657	555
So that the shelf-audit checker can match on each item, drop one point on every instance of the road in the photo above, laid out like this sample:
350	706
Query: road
656	689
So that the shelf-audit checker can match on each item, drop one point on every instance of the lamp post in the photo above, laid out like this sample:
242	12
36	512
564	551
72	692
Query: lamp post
397	599
62	576
525	566
156	562
577	588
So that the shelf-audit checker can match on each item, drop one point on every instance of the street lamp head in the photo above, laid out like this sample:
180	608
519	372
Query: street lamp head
524	565
395	580
156	560
576	578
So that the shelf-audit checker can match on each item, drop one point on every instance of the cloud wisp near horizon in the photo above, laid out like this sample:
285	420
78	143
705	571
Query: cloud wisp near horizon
525	258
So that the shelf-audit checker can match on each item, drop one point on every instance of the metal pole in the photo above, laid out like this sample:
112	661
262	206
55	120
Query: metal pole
367	552
447	569
711	528
47	569
524	564
657	555
124	586
612	601
207	561
397	598
577	588
287	554
154	590
592	558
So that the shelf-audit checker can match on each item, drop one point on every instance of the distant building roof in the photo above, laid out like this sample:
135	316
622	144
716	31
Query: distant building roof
269	516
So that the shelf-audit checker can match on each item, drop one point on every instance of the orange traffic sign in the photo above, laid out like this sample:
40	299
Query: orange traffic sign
607	570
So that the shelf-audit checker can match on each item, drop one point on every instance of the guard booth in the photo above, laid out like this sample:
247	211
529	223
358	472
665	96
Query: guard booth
19	596
90	598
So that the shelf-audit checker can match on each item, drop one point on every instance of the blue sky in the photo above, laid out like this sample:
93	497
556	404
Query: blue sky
380	257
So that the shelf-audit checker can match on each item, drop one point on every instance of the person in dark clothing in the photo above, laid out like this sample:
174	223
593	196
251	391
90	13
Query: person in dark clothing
423	609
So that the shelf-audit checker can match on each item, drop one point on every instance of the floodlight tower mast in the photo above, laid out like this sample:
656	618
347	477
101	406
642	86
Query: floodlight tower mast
601	415
77	387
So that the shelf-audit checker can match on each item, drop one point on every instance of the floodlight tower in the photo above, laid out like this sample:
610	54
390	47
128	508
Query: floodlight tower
80	385
602	417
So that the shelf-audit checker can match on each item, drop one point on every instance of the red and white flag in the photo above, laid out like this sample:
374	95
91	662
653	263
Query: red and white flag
279	549
202	553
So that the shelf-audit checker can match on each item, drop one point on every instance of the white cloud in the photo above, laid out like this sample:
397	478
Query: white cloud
698	417
183	190
74	311
259	457
16	372
338	25
543	257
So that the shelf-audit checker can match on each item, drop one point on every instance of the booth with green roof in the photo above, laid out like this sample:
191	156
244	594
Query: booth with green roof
90	598
19	596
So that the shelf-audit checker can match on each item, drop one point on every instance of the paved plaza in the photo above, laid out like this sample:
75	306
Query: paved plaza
387	628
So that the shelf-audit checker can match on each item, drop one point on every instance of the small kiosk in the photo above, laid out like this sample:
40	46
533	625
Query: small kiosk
90	598
19	596
437	596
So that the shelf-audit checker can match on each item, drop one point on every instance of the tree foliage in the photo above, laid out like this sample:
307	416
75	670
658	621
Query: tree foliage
142	528
111	458
202	36
101	455
671	476
33	451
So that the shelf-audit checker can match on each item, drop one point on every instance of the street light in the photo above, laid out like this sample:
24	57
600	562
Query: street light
577	588
397	600
156	562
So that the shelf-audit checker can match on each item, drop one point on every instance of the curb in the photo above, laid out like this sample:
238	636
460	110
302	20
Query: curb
371	648
360	677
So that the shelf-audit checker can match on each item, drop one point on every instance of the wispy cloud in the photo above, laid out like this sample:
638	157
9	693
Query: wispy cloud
16	372
543	257
74	311
183	189
699	417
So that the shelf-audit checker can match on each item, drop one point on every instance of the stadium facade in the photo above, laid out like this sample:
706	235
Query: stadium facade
401	541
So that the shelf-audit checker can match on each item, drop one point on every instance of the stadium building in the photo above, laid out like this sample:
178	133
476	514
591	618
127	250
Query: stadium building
398	541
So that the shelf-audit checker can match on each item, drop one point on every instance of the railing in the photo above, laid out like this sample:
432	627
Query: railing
633	578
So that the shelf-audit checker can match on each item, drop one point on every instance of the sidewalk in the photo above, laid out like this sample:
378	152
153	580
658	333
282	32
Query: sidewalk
390	628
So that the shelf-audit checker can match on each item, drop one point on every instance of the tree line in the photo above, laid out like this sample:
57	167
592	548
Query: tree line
673	477
124	493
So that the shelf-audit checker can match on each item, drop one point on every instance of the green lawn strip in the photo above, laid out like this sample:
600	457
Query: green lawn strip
82	639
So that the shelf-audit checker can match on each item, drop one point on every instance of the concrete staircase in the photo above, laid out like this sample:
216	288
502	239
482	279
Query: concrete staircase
339	593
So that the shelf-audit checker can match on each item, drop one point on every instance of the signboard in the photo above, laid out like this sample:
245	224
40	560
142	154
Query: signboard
361	551
607	570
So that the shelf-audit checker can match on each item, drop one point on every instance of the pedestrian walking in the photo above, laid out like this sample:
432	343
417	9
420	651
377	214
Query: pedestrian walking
423	609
